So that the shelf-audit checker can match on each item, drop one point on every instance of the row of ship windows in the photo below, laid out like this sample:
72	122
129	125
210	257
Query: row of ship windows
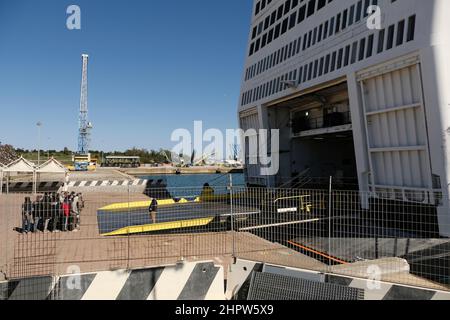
345	19
394	35
277	14
288	23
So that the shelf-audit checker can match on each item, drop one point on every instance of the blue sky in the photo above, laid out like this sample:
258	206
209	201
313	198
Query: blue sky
155	66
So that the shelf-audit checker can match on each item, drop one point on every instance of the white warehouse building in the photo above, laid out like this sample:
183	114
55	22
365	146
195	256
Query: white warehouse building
352	101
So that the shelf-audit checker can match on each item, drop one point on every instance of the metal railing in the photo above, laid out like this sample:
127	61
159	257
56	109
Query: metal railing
306	123
329	231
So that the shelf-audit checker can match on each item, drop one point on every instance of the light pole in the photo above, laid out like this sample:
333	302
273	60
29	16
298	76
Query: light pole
39	125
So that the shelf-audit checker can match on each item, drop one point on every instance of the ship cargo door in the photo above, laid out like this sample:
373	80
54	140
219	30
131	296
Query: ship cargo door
396	131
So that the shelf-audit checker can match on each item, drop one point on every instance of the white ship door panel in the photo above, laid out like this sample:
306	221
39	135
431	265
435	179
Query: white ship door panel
250	121
396	132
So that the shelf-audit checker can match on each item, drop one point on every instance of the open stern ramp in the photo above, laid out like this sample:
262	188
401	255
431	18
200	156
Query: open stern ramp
172	215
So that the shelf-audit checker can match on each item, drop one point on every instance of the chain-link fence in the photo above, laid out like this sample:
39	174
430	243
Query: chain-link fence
361	235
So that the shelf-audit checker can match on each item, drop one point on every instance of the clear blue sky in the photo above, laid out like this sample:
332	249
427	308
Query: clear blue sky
155	66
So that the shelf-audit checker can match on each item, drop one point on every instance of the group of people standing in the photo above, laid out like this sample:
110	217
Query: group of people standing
52	212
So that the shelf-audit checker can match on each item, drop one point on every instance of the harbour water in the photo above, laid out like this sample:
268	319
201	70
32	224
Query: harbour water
189	185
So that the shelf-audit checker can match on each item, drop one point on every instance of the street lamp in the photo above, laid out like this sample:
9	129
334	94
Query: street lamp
39	125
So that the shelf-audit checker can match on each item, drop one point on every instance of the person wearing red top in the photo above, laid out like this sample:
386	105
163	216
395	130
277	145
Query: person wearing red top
66	212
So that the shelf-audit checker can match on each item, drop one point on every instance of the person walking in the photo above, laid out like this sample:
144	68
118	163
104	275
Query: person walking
153	209
27	215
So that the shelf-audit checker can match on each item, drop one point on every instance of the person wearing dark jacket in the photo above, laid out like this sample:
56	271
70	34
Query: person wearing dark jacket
55	207
46	211
153	209
37	213
27	215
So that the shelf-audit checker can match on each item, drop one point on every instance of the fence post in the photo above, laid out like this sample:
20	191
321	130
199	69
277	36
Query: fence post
233	233
330	197
128	229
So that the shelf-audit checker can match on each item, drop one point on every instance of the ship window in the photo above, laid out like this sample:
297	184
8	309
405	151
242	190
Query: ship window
331	27
310	70
354	51
300	72
273	17
270	36
277	31
301	14
327	64
333	62
311	7
264	40
358	11
292	20
366	7
260	28
347	55
400	32
287	6
344	19
321	66
381	41
305	73
390	38
284	25
320	33
298	44
362	48
338	23
411	28
339	60
369	46
321	4
316	67
352	15
325	30
280	12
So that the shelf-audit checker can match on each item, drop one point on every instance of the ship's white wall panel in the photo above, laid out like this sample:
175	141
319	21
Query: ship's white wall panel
397	135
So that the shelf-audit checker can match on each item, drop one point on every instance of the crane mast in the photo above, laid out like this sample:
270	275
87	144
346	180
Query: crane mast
84	125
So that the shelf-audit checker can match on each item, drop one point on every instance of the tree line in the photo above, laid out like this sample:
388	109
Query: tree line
65	155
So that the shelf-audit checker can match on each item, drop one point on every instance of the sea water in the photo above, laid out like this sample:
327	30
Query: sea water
189	185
